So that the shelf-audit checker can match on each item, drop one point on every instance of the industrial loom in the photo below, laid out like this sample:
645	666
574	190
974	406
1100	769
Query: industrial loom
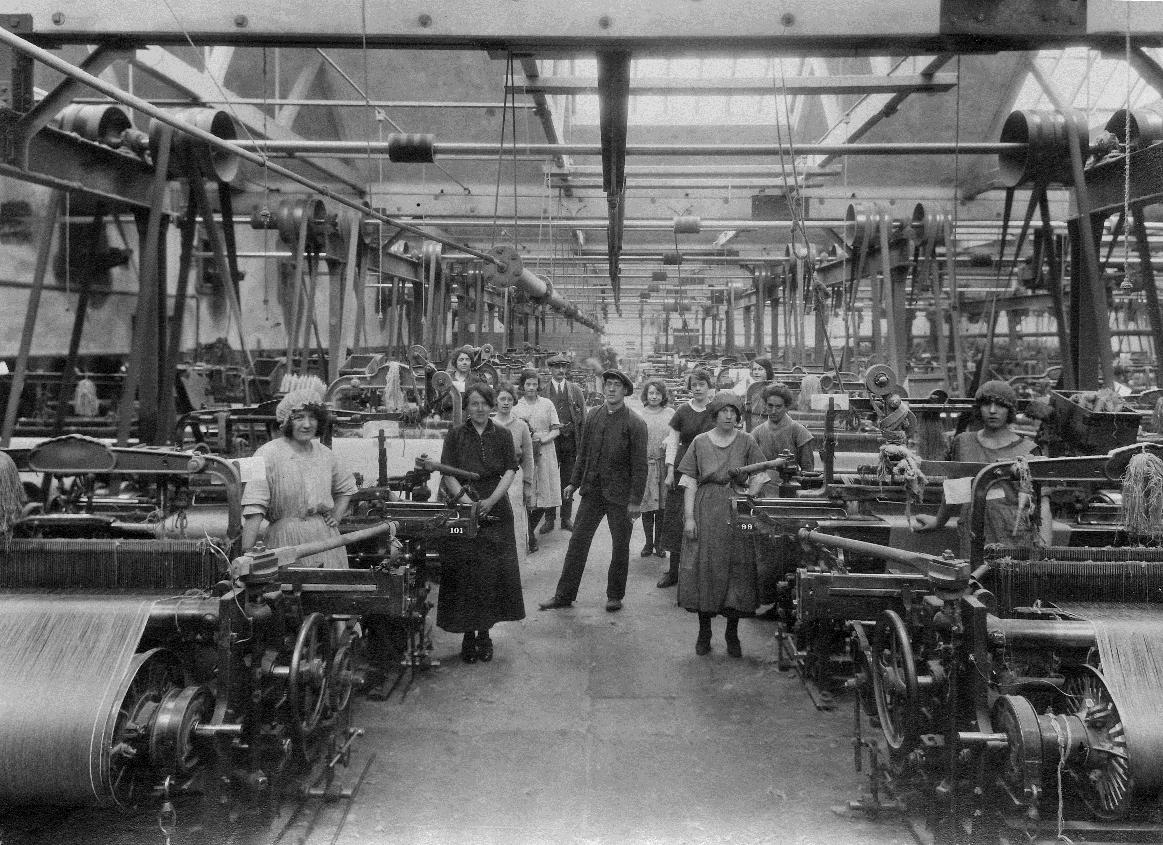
1013	697
140	667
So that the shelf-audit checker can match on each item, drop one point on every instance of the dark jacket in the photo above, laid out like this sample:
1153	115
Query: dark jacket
611	456
571	408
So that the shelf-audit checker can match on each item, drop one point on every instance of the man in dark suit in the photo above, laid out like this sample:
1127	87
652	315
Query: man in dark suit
567	397
610	472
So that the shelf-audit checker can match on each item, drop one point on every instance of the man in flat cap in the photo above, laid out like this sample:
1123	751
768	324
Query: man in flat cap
610	473
570	403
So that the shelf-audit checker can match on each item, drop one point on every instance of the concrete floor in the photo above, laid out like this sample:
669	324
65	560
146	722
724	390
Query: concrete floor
590	727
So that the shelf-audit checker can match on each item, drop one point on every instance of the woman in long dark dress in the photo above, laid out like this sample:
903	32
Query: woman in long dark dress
718	574
689	421
480	579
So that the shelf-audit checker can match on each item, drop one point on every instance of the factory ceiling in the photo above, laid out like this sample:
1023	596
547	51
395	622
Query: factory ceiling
522	99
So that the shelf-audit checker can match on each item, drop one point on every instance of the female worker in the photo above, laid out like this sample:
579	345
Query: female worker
717	574
480	579
996	404
689	420
460	368
780	433
520	495
304	492
541	415
657	416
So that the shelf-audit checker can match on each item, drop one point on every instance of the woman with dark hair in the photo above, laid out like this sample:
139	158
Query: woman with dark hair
480	578
305	492
780	433
690	420
460	368
12	498
657	417
995	403
541	415
717	575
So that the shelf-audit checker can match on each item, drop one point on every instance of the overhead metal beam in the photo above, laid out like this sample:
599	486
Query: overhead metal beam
747	86
843	26
694	170
169	69
1147	68
66	161
828	150
322	103
868	112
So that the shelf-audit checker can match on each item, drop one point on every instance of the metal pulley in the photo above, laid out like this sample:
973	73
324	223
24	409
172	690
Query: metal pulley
506	269
411	149
862	224
292	214
687	225
1046	158
212	162
927	226
880	380
1146	127
107	124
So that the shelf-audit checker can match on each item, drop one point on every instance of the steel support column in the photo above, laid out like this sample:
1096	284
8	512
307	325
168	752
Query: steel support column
44	250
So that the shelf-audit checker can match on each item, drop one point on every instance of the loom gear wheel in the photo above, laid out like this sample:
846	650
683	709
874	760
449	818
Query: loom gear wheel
154	673
880	380
173	745
1104	784
894	682
341	679
307	678
488	374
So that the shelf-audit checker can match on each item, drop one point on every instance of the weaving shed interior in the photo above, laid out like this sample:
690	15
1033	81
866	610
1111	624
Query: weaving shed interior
588	727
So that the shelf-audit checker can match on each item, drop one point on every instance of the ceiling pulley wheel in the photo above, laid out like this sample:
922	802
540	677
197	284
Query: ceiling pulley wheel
880	380
506	267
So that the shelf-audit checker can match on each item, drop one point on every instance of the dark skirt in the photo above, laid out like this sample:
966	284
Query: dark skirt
480	579
674	514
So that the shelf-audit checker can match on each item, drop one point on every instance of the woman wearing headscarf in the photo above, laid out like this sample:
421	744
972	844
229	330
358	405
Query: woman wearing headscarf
480	578
995	404
305	491
717	574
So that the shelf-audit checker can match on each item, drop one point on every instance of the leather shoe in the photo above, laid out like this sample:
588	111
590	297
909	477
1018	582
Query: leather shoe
666	580
613	605
484	649
533	547
546	528
468	649
734	647
647	551
567	525
703	645
555	603
659	553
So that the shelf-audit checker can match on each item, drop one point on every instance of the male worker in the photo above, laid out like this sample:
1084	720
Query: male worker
569	401
610	472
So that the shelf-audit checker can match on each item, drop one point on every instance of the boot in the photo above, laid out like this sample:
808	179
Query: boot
550	519
703	643
468	647
567	515
648	530
671	576
734	647
534	518
484	646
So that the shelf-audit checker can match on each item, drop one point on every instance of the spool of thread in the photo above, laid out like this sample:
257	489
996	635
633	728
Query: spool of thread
687	225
